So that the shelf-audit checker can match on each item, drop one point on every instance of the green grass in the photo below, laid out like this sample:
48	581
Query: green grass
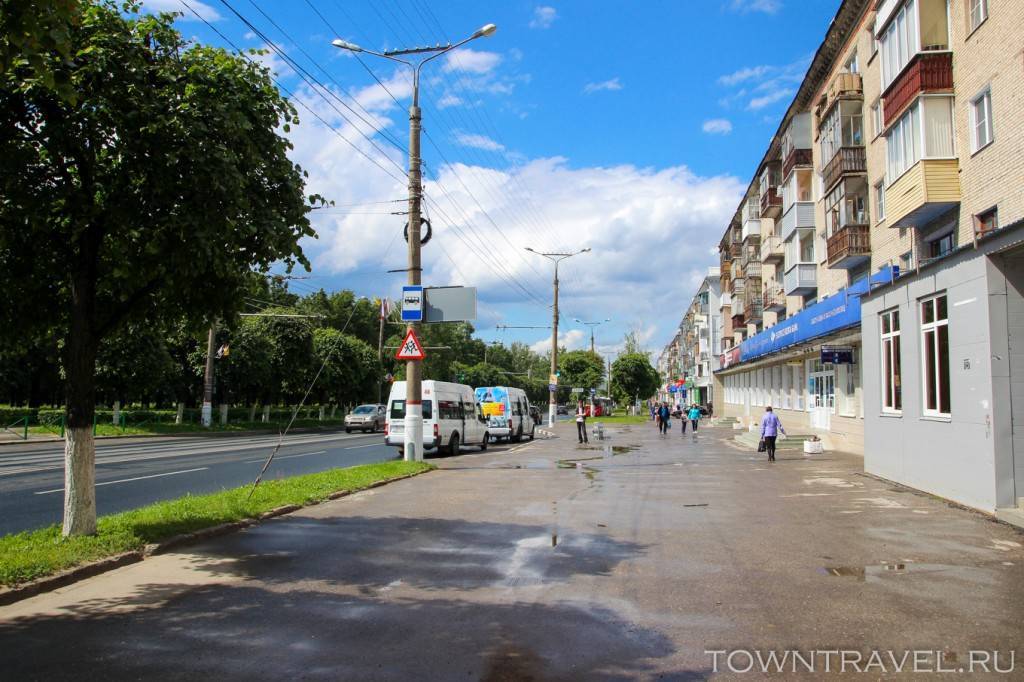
621	419
169	429
33	554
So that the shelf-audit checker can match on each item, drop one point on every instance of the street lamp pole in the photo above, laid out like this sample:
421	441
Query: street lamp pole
555	258
413	423
592	325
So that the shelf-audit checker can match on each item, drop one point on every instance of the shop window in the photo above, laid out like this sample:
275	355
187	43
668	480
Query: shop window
892	393
821	384
935	356
850	406
798	386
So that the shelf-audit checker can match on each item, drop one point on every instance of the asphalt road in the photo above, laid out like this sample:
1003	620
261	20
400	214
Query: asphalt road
135	472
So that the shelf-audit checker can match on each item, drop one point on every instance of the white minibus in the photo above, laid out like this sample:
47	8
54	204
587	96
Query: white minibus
451	418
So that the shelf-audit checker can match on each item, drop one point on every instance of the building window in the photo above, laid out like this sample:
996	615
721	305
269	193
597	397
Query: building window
852	65
821	383
941	246
876	119
842	128
851	383
899	42
906	261
986	221
981	120
892	394
935	356
924	131
880	200
977	13
902	147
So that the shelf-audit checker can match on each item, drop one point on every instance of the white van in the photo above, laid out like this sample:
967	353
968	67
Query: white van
451	418
508	412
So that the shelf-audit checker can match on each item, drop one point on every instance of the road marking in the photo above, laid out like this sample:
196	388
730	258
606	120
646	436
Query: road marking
304	454
128	480
356	447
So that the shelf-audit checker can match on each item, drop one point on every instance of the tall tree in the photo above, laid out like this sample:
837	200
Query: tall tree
634	377
152	197
581	369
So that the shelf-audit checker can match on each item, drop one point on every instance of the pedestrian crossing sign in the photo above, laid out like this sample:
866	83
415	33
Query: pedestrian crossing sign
411	349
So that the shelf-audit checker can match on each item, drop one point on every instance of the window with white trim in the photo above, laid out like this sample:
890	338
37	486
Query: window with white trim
898	43
935	357
877	125
880	200
902	146
977	13
981	120
892	392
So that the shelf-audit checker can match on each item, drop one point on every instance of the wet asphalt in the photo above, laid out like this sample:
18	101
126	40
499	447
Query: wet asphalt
627	559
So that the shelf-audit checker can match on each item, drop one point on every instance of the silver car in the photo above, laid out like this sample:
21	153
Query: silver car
365	418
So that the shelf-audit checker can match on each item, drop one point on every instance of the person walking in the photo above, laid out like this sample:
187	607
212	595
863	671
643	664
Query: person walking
581	422
694	416
663	418
682	418
770	428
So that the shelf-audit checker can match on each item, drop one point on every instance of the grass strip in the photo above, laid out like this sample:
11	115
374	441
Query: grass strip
33	554
621	419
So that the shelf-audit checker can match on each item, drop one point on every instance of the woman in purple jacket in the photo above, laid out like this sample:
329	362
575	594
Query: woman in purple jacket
770	427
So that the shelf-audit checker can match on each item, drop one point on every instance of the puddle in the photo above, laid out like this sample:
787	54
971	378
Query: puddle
621	449
894	568
698	504
554	539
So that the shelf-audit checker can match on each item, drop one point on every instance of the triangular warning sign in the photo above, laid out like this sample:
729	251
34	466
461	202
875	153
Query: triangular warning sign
410	348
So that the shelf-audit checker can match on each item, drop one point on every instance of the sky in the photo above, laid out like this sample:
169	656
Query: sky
631	129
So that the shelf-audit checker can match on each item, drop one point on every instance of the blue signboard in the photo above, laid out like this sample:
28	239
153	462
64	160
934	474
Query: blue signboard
412	303
836	312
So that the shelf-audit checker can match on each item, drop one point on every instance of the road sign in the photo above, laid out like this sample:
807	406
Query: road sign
412	303
449	304
578	390
553	387
593	391
553	379
411	349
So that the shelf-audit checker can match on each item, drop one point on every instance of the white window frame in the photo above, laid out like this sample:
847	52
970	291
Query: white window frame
926	328
890	339
899	42
880	200
982	7
983	98
898	137
877	123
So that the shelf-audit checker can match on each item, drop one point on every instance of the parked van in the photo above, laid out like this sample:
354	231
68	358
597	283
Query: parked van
508	412
451	418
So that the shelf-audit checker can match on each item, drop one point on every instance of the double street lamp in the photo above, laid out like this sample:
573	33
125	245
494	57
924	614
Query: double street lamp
592	325
413	436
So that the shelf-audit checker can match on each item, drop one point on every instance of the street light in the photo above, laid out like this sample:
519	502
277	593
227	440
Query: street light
555	258
413	437
592	325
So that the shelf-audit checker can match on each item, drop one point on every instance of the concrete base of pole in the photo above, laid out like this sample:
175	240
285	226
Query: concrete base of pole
207	414
552	414
413	438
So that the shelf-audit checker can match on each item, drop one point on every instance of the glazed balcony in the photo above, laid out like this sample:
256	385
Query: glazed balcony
801	279
773	298
771	249
771	203
849	247
846	161
796	157
930	188
752	307
752	270
927	72
799	215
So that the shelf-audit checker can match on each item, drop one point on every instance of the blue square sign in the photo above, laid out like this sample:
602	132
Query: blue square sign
412	303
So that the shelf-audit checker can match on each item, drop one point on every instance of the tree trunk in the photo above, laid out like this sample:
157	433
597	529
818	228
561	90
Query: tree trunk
252	413
79	446
266	414
180	414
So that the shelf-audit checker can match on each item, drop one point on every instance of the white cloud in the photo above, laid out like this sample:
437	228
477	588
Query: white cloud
466	60
770	98
766	6
745	74
478	142
574	339
543	17
611	84
202	9
717	126
449	99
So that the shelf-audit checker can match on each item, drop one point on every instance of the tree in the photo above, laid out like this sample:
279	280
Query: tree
153	197
31	35
351	370
581	369
634	377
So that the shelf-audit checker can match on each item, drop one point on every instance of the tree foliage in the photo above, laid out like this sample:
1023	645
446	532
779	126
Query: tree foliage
633	377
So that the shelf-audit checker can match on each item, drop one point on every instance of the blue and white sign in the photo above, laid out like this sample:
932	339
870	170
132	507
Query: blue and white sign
836	312
412	303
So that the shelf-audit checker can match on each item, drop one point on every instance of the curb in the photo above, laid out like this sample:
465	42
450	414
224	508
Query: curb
11	595
187	434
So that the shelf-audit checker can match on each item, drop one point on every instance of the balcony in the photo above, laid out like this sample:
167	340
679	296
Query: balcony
771	203
847	160
738	285
751	229
735	249
752	270
849	247
771	249
725	301
738	316
930	188
800	214
801	279
752	305
927	72
796	157
845	85
773	299
723	281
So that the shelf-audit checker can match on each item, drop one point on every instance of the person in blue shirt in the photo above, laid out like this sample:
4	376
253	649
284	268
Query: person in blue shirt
663	418
770	428
694	416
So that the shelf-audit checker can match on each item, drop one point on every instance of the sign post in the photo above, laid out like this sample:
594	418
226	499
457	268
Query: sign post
412	303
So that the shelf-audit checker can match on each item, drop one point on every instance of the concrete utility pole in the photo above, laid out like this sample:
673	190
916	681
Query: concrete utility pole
555	258
592	325
413	438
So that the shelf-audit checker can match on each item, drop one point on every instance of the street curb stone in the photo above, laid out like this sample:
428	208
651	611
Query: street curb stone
10	595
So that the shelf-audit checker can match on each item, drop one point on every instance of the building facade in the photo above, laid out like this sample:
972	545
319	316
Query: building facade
688	362
892	187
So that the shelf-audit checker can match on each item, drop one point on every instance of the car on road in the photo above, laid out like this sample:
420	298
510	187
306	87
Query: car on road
451	418
562	409
535	413
366	418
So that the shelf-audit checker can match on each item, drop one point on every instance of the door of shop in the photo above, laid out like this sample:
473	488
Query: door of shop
821	387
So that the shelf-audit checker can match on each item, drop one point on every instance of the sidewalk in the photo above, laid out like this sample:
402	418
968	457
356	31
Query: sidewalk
629	561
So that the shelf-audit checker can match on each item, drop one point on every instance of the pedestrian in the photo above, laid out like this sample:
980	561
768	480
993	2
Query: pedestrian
694	415
711	409
682	418
581	422
663	418
770	428
654	411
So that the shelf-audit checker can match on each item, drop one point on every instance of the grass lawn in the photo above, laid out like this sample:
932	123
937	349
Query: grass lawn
169	429
33	554
621	419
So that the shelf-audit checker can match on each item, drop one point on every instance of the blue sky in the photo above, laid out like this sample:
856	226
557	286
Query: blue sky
629	128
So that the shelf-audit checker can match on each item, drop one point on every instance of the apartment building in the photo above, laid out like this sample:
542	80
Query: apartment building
688	362
890	206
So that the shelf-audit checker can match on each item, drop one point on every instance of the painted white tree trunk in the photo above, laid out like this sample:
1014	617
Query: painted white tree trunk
334	408
79	482
322	413
266	414
252	413
223	414
117	412
181	413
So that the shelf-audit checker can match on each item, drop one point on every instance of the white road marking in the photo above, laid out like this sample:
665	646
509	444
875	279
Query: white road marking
356	447
128	480
304	454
